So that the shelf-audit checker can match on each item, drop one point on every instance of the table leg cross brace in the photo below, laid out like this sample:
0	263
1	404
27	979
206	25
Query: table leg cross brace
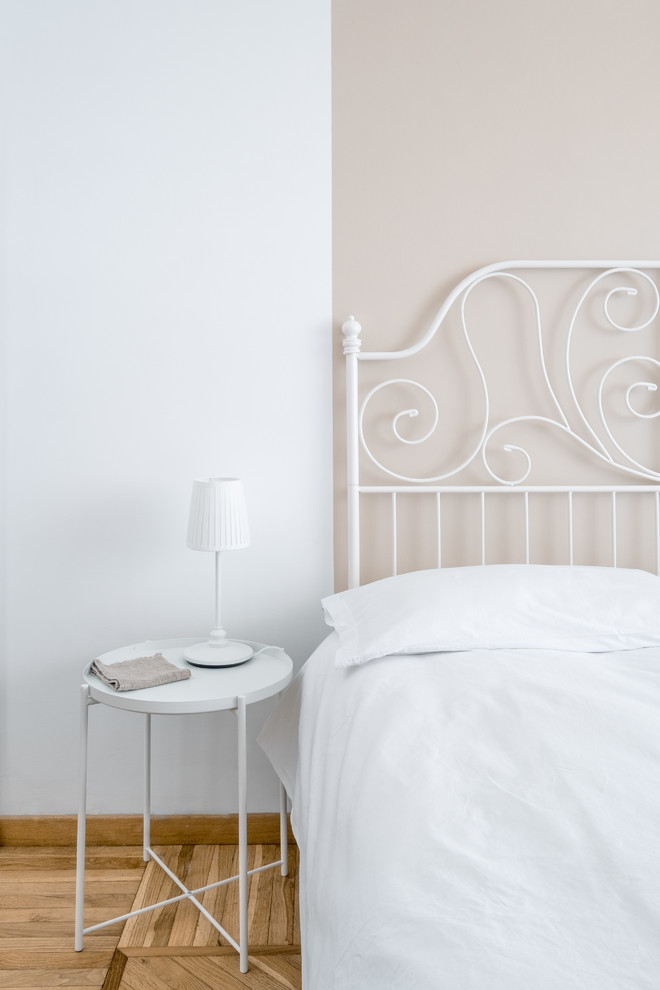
190	895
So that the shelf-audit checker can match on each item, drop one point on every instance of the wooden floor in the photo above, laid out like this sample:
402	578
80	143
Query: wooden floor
173	946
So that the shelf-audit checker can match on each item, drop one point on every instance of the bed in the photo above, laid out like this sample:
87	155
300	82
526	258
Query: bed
473	752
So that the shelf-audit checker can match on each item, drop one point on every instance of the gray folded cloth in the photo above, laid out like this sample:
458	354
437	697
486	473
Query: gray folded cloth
142	672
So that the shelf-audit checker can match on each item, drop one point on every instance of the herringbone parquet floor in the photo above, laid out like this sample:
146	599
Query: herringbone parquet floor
174	946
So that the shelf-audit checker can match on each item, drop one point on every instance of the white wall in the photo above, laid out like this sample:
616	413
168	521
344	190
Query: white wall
166	308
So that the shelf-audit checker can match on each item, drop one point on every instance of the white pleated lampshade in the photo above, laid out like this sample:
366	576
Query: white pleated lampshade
218	515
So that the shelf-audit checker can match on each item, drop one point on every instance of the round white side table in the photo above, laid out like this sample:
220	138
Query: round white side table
209	689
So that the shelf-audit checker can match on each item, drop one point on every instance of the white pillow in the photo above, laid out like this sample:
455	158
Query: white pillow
497	606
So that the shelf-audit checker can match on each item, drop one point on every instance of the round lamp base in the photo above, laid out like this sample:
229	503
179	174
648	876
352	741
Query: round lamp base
229	655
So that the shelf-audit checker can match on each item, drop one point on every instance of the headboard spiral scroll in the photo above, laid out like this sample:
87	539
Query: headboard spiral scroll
572	405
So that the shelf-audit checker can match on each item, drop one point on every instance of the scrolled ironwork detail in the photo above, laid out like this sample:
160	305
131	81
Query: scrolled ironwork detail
599	439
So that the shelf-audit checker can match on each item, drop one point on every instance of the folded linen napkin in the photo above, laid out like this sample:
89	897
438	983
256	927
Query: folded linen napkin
141	672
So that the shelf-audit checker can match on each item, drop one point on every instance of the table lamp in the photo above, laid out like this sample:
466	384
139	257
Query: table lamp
218	522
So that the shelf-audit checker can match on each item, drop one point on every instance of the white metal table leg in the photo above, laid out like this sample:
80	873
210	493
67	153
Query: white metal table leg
85	702
284	833
241	712
146	828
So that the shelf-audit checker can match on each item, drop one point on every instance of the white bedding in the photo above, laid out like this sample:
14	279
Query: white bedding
486	820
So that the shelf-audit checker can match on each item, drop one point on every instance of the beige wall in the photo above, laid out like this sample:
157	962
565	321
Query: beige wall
470	132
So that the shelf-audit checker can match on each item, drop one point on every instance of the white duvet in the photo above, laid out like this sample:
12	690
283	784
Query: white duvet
486	820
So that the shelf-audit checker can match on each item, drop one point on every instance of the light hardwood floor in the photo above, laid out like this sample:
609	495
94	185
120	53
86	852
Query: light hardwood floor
171	947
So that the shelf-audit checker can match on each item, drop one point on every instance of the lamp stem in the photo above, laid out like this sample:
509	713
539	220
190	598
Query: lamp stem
218	634
218	589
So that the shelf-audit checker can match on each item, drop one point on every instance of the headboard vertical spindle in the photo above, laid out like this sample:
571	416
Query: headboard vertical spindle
352	344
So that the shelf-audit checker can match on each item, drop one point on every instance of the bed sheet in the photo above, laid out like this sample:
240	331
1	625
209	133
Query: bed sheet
487	820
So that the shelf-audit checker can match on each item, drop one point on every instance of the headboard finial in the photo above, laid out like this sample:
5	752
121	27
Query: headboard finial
351	330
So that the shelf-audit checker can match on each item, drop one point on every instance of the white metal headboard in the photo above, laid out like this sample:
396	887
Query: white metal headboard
601	282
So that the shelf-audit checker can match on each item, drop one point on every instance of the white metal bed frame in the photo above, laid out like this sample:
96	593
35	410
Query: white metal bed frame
596	440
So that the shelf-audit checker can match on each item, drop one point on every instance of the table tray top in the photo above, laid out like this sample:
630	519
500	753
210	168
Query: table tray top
208	689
